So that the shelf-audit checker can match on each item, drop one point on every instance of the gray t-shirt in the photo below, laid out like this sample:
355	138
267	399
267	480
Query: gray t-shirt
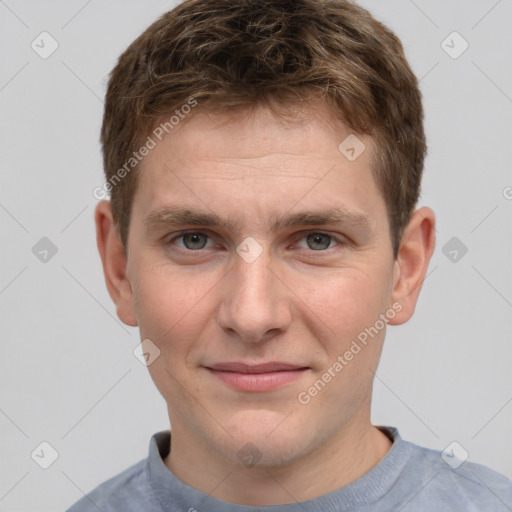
409	478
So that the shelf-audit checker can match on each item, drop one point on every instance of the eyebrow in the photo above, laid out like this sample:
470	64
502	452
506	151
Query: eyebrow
174	216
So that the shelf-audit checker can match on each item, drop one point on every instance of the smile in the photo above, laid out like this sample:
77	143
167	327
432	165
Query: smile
256	378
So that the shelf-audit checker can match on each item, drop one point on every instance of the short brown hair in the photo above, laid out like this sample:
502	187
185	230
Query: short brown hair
234	54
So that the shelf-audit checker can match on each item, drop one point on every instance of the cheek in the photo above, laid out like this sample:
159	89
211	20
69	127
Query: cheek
345	303
355	308
172	311
170	307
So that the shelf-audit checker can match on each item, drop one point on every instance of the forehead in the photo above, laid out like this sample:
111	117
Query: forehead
258	160
258	132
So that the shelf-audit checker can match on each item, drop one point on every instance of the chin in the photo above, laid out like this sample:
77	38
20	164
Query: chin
269	436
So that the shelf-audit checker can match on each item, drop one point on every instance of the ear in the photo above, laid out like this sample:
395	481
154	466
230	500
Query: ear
411	263
114	262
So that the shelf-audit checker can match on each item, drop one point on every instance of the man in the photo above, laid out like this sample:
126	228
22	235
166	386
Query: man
264	161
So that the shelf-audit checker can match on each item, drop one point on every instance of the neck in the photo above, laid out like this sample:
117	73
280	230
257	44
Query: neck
340	461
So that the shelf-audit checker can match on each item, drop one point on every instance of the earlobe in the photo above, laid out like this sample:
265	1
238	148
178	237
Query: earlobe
114	263
411	264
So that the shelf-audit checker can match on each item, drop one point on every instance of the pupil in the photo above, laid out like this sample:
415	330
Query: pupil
193	239
317	239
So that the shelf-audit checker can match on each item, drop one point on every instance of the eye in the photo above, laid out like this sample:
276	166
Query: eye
194	241
319	241
191	241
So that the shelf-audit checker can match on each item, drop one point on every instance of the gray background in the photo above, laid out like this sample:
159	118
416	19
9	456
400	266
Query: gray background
67	369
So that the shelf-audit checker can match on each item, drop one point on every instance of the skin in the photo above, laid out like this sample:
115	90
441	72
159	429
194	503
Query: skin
300	301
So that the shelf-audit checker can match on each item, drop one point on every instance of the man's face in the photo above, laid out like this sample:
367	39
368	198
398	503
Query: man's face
275	282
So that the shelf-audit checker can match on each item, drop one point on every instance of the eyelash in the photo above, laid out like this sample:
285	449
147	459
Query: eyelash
339	242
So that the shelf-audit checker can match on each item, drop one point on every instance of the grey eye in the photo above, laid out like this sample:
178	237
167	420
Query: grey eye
318	241
194	240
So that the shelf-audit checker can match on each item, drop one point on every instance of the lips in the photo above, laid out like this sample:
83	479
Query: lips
255	368
256	377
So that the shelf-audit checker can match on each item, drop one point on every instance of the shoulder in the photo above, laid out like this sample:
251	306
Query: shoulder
451	484
132	489
125	491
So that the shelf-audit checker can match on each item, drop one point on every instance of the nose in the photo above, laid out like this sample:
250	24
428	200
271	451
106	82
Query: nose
255	302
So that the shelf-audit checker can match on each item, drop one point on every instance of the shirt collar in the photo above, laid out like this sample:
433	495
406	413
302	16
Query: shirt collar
173	494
